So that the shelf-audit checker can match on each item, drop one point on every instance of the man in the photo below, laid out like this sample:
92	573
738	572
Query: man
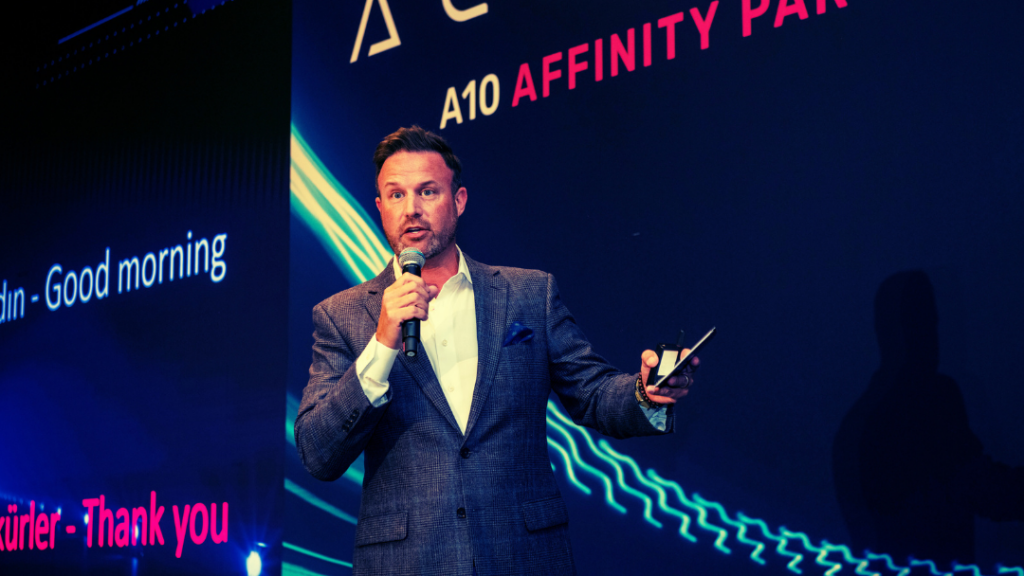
457	476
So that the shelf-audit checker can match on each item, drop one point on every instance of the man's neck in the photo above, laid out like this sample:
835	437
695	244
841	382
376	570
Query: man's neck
437	270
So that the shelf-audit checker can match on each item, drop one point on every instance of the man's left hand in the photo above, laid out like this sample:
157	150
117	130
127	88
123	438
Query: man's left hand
675	387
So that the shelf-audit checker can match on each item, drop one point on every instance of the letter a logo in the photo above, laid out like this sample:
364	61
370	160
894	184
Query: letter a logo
383	45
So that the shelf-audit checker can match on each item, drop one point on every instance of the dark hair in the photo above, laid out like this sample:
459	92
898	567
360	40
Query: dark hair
416	139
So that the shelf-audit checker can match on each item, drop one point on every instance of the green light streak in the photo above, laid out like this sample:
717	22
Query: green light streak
310	553
316	501
334	216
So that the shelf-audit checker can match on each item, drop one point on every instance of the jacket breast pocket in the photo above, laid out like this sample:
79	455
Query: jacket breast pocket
383	528
522	359
545	513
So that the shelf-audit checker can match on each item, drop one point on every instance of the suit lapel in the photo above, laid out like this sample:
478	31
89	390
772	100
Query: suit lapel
419	367
490	291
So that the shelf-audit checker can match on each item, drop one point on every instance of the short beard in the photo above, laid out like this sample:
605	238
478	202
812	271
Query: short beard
438	242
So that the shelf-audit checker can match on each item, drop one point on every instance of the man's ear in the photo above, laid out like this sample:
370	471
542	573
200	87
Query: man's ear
460	200
377	200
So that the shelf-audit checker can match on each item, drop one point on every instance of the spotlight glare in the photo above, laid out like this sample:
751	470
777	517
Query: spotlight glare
253	564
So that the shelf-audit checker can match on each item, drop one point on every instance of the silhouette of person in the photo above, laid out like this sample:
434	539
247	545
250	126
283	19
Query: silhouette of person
909	473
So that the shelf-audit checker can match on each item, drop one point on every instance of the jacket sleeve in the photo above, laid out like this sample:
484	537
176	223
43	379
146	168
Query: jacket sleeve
335	419
593	392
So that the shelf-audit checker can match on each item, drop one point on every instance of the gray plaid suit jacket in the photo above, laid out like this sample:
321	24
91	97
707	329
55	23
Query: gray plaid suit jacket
435	501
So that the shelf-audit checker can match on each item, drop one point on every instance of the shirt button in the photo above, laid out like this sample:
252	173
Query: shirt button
444	342
464	452
461	513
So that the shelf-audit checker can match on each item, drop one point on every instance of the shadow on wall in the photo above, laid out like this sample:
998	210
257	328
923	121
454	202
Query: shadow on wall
909	473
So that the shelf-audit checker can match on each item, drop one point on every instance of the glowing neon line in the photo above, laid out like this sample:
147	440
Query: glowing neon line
643	480
781	548
609	490
356	246
568	467
822	551
702	512
334	194
313	171
861	563
318	556
620	477
93	25
318	502
334	216
340	199
741	529
904	571
957	567
931	566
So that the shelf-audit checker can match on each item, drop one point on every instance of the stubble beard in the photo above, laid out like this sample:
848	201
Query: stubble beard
440	238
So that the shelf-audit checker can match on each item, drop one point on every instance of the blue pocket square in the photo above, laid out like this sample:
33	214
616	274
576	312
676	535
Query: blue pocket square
517	333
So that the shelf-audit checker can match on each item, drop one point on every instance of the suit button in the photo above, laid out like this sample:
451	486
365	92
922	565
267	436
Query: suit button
461	513
464	452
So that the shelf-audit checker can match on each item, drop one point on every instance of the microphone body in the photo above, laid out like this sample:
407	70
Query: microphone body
411	260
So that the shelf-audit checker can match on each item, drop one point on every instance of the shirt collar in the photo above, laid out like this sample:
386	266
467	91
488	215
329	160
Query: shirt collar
463	267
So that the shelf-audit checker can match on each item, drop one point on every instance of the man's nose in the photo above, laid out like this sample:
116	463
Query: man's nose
412	205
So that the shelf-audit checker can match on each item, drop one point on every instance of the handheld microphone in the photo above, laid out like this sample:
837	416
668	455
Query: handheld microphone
411	260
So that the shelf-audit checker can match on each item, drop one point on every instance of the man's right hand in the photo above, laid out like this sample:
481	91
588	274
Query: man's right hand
406	299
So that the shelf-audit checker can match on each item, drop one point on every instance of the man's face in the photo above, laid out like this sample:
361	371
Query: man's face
418	208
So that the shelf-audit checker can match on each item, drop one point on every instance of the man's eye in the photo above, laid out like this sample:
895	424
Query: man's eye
397	195
429	192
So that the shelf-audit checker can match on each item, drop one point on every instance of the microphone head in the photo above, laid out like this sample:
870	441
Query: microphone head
411	256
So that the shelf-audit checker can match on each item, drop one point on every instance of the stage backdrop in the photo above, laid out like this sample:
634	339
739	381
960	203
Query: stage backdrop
143	286
834	184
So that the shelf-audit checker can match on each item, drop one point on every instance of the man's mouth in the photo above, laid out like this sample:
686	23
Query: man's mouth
415	230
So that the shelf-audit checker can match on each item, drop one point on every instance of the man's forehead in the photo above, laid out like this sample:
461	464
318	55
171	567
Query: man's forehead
404	167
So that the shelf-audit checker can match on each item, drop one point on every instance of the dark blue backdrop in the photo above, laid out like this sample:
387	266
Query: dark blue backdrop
767	185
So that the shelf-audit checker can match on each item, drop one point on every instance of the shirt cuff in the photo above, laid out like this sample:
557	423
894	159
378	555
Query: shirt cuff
373	368
657	416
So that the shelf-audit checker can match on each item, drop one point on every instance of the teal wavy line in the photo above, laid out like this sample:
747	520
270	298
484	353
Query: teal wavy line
821	551
931	566
903	571
662	497
620	477
568	467
861	563
357	247
741	528
793	565
609	489
702	512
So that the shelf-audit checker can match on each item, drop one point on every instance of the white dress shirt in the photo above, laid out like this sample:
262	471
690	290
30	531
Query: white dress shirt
448	336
